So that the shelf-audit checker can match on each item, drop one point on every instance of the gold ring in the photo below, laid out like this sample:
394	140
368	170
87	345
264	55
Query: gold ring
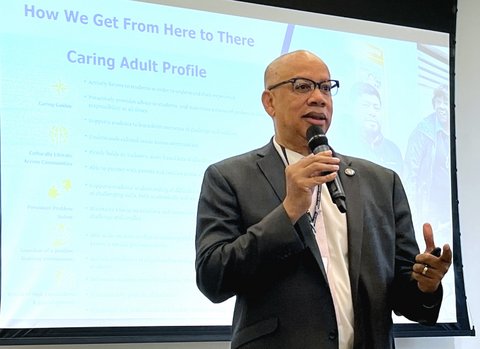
425	269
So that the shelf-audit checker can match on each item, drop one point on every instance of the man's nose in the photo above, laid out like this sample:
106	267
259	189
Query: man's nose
318	97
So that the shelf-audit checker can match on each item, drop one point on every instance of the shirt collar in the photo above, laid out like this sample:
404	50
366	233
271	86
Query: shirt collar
289	156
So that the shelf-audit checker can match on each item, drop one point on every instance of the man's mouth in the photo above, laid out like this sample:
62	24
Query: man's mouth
315	116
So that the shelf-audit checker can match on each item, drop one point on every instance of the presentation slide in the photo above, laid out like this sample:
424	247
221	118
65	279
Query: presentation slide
111	111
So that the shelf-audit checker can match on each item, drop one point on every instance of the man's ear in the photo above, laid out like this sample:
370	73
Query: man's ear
267	101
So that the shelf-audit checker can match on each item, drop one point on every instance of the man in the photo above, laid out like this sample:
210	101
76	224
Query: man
427	164
366	137
255	239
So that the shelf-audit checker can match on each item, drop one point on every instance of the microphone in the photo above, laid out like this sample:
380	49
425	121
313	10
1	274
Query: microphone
318	142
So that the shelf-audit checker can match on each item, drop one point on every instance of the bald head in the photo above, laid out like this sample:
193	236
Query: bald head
280	67
294	111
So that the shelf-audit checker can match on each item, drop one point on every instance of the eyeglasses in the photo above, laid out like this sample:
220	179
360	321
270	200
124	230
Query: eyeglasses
305	86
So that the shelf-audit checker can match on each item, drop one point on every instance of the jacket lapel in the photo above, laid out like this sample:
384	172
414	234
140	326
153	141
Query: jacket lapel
351	185
272	167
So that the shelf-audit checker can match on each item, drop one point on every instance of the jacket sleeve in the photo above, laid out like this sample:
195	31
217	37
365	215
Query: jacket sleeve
407	298
230	255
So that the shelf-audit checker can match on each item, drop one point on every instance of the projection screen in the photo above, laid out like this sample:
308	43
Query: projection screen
112	110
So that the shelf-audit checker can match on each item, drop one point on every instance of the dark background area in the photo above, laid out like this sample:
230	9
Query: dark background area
438	15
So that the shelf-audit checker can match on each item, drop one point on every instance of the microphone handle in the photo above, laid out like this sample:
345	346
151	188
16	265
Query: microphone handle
335	187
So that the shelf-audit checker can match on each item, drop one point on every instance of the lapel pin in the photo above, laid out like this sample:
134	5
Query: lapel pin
349	171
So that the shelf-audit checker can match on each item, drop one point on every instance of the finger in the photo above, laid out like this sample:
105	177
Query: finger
427	282
421	269
323	170
326	158
446	254
328	153
428	237
324	178
324	155
427	271
313	164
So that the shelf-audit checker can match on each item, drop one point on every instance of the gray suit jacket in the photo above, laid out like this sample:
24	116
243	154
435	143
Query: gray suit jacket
247	247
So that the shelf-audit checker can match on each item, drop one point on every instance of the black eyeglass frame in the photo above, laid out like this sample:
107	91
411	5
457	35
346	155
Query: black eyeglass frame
334	84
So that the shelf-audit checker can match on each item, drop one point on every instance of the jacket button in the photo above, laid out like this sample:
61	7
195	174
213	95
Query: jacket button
332	335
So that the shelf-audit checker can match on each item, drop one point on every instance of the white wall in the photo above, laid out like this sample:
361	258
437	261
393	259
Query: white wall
468	145
468	164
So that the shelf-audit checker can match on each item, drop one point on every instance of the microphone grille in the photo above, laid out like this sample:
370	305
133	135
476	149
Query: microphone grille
316	137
